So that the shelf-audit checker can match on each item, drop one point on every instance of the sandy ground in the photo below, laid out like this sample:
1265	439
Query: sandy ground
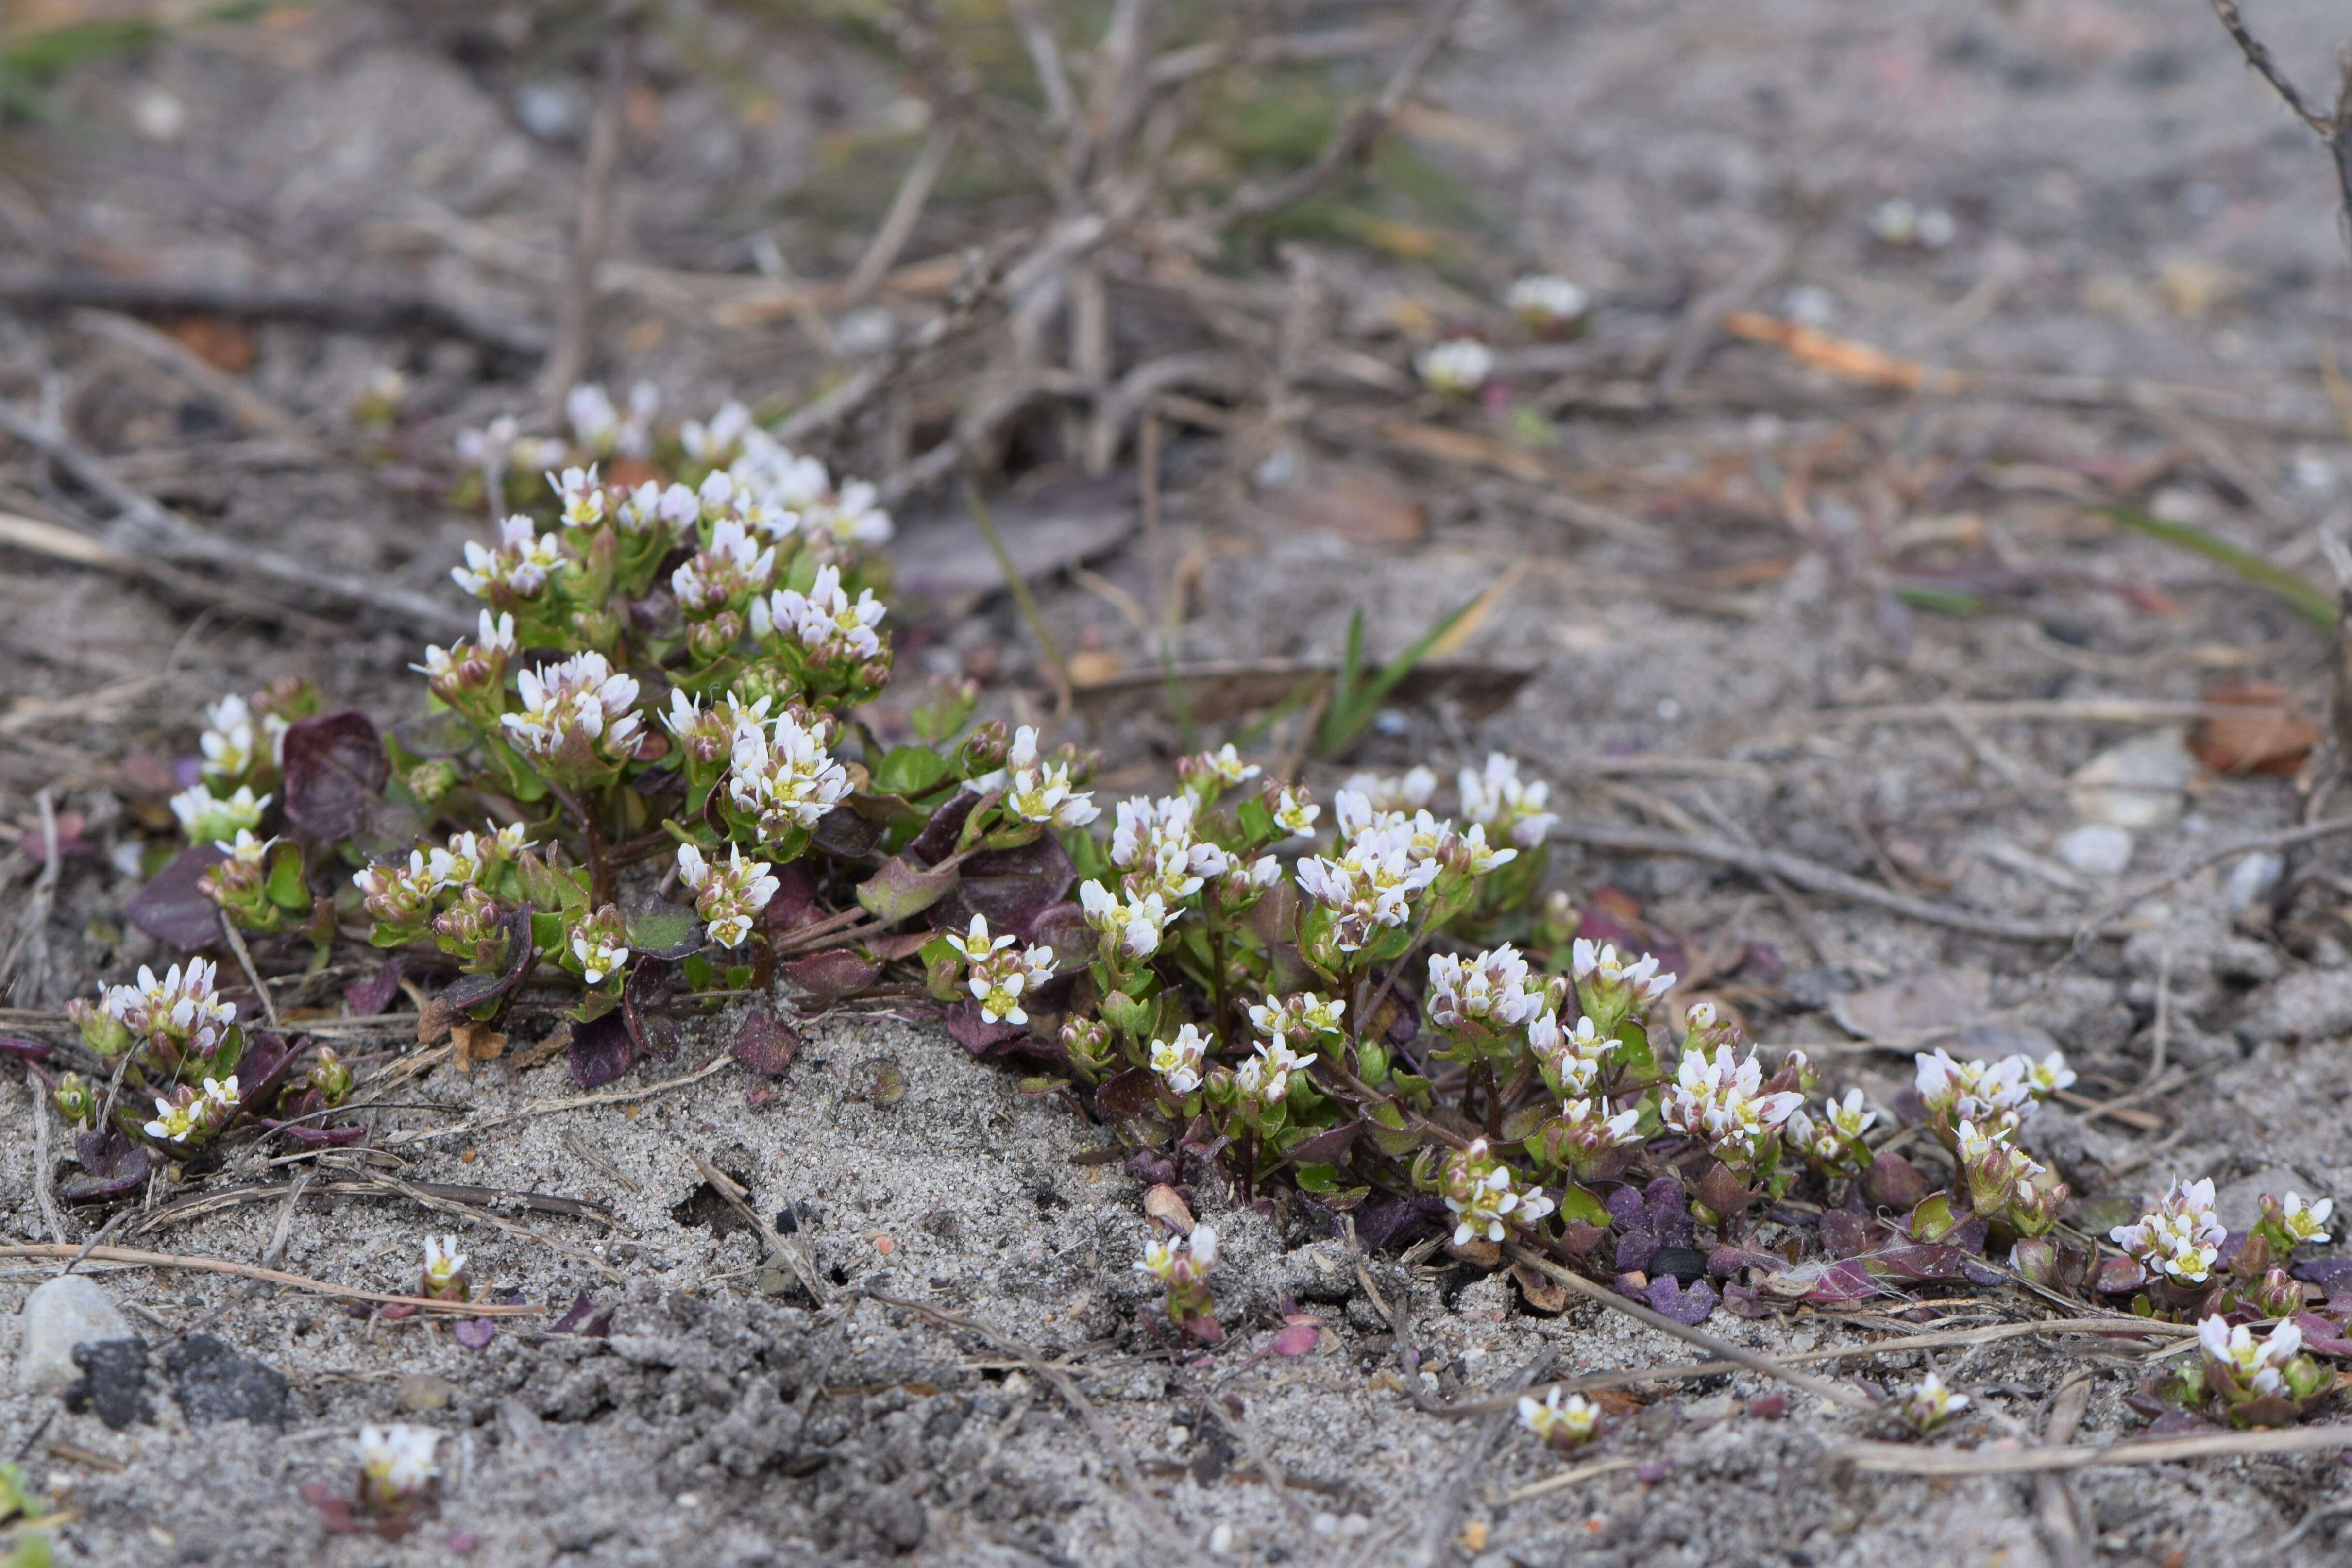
2126	202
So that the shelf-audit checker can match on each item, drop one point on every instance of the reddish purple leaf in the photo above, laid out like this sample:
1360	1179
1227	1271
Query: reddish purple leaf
793	905
976	1034
26	1050
1725	1262
2118	1275
335	769
1127	1094
306	1133
585	1318
1845	1233
173	909
1299	1338
112	1164
829	975
1389	1219
2321	1335
468	991
765	1045
1014	888
1326	1147
373	995
2326	1272
938	838
602	1049
1687	1307
1892	1182
475	1333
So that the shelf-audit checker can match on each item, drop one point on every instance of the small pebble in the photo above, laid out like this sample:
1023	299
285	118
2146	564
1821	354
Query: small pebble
70	1310
421	1391
2095	850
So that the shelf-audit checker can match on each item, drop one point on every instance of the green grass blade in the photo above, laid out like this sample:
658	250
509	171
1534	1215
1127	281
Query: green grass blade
2313	604
1346	718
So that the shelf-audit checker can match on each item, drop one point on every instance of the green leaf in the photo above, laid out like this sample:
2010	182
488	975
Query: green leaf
1318	1178
1932	1220
1257	820
662	929
1521	1124
1633	1042
550	887
1352	706
546	932
911	770
902	889
2310	602
1578	1203
286	888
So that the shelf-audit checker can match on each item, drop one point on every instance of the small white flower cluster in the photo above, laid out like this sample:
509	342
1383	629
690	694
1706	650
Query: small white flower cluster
1509	808
726	895
997	975
1416	788
1608	987
181	1012
195	1112
1572	1058
582	692
1457	367
1932	1403
1493	989
824	622
1265	1078
706	734
2180	1238
840	518
1477	1188
1589	1125
1154	844
600	427
228	744
209	818
1997	1096
783	775
1543	300
732	569
1831	1139
397	1461
1561	1420
600	943
1038	791
519	567
1303	1017
466	666
2301	1221
1178	1061
1722	1102
2257	1366
1132	927
1295	813
1182	1266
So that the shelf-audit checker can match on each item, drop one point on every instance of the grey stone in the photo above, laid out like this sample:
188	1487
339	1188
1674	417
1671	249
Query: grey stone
70	1310
216	1383
2240	1203
2309	1005
1323	1271
113	1381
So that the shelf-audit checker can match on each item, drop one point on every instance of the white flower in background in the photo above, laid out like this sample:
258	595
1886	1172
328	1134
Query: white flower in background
2253	1364
583	692
715	443
490	449
596	423
1509	810
730	568
850	519
823	619
1991	1095
715	501
1491	989
520	563
1457	367
727	895
1932	1403
1265	1076
1543	300
247	854
2179	1237
1133	927
1560	1420
1415	790
650	506
1303	1017
442	1262
207	819
580	496
1178	1061
227	744
480	663
1479	1190
2049	1075
1294	814
783	775
398	1460
1722	1099
1224	765
1041	792
2305	1222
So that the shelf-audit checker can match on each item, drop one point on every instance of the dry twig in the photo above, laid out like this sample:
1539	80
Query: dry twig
1906	1460
575	316
137	1259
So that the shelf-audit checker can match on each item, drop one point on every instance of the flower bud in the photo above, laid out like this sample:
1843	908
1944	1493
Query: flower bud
1088	1043
983	750
429	781
2276	1295
329	1077
100	1030
710	640
74	1099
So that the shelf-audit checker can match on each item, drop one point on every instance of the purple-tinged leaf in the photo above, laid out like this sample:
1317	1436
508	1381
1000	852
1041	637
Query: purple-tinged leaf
1064	928
1669	1210
1299	1337
1581	1238
976	1034
475	1333
2325	1273
111	1165
1725	1262
1625	1206
1687	1307
1653	1472
2178	1423
1635	1250
174	909
793	904
1634	1285
1724	1193
1845	1233
652	981
1326	1147
1894	1182
2321	1335
661	929
829	975
843	834
1919	1263
467	991
901	890
372	996
26	1050
2118	1275
261	1071
894	946
1127	1094
1822	1284
764	1045
601	1050
1014	888
1153	1167
1740	1300
1389	1219
335	768
938	838
585	1318
315	1135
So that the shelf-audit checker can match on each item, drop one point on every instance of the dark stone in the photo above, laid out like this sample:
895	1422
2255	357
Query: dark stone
214	1384
1686	1264
113	1381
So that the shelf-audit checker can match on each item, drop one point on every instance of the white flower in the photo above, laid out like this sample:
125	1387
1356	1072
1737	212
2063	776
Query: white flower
2256	1365
399	1460
729	568
785	776
1491	989
823	620
850	519
1297	1017
207	819
1371	883
1990	1094
1931	1404
1598	964
396	893
1543	300
2305	1222
228	743
1576	1056
443	1261
179	1012
649	505
1478	1189
1153	843
1496	800
714	443
1183	1262
977	945
1409	793
1041	792
1133	928
998	977
1457	367
584	693
1178	1061
727	895
1265	1076
2050	1075
1225	765
601	949
1592	1121
1570	1419
1720	1100
1295	815
248	853
2179	1237
596	423
580	496
1847	1116
520	563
